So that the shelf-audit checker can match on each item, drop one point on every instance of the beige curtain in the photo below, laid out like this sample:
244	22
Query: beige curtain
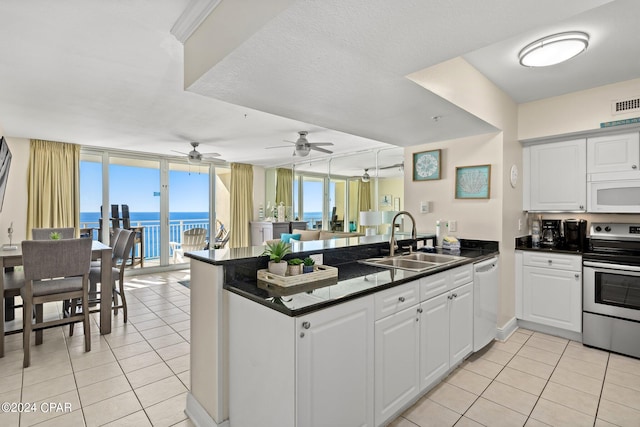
241	204
284	186
364	199
53	185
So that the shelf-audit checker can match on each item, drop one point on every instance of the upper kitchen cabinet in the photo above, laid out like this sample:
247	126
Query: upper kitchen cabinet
555	176
613	154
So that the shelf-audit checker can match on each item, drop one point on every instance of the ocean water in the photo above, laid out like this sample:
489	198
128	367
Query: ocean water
149	218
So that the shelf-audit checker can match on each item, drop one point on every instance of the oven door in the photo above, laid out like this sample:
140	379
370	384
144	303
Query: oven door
612	290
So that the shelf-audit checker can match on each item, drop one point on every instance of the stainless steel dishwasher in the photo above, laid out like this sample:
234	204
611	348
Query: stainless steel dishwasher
485	302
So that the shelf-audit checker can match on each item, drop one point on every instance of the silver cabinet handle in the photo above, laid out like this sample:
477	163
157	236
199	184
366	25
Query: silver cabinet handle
577	275
581	206
450	297
550	262
301	334
401	299
455	295
634	166
306	325
419	310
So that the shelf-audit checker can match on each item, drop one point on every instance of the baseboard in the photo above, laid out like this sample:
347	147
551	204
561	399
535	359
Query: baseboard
550	330
509	328
199	416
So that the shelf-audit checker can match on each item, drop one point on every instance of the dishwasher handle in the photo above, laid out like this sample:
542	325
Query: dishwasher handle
486	266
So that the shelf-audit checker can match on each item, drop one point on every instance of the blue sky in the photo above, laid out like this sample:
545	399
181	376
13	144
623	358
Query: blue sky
136	187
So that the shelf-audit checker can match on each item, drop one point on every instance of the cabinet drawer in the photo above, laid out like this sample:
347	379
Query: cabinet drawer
461	275
551	260
434	285
396	299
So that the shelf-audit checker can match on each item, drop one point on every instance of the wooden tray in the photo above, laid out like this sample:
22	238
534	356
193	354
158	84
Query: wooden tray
323	275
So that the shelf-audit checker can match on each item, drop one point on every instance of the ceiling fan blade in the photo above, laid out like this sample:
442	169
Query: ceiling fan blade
313	147
277	146
211	154
321	143
180	152
286	140
397	165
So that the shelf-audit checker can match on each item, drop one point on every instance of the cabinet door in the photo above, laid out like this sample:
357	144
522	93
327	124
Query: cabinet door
334	369
613	153
552	297
434	340
557	178
461	323
397	353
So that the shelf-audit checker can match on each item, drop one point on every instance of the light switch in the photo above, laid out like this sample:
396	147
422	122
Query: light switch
453	225
424	207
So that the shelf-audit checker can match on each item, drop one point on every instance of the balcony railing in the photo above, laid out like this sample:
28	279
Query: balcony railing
152	233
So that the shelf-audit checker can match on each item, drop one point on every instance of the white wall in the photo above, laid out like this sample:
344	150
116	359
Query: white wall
14	208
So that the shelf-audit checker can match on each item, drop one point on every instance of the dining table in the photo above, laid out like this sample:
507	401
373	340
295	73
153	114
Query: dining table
13	258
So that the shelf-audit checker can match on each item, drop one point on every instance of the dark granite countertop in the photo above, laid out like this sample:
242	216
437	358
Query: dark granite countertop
354	279
524	244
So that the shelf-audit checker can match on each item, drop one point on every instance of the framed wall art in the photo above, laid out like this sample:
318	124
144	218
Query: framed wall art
426	165
473	182
385	200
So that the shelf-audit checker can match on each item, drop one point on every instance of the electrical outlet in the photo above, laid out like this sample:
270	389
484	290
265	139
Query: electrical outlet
520	224
453	225
317	258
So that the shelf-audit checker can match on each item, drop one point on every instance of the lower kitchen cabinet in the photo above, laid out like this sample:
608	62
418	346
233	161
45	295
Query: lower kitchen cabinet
397	362
549	290
461	323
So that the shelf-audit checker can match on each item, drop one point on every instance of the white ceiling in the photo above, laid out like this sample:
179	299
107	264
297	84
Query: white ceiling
109	73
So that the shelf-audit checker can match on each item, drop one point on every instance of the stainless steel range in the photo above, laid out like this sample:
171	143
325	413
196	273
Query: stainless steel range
611	288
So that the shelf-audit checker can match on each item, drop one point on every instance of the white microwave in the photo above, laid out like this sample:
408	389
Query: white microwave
616	196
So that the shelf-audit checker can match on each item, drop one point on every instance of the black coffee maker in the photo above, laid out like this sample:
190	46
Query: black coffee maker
550	232
575	234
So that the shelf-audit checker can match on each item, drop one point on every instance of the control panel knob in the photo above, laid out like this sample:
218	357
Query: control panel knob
607	229
598	228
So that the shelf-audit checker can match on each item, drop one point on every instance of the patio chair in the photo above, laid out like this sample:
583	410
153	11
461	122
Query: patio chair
45	233
54	270
193	239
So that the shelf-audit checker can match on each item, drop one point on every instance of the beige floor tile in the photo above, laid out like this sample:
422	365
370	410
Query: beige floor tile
175	350
53	387
149	324
427	413
452	397
11	363
124	339
166	340
572	398
581	367
521	380
36	374
91	360
149	374
603	423
140	361
497	356
185	377
621	395
131	350
13	418
401	422
137	419
577	381
174	318
524	331
158	391
550	337
539	355
558	415
535	423
489	413
510	346
617	414
626	379
74	418
181	326
157	332
10	382
67	400
140	318
483	367
467	422
97	374
587	354
511	397
548	345
469	381
531	366
518	337
168	412
180	364
103	390
111	409
623	363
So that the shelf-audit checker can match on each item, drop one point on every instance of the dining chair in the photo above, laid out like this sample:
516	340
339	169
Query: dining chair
121	249
13	283
193	239
45	233
55	270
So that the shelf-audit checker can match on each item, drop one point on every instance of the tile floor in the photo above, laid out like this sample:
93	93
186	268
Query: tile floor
139	375
136	376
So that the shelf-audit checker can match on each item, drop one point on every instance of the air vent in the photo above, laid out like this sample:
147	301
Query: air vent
625	106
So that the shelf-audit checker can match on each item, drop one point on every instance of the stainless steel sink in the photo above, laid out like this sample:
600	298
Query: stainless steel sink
413	262
435	258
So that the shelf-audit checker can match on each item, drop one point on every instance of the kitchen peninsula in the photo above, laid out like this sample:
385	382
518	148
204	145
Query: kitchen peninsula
251	363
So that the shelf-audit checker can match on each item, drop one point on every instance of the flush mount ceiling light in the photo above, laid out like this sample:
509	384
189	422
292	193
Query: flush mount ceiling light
553	49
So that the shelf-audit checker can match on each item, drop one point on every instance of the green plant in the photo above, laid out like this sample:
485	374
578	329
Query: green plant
295	261
55	236
277	250
308	261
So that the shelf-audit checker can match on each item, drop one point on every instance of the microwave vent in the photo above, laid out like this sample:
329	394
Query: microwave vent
625	105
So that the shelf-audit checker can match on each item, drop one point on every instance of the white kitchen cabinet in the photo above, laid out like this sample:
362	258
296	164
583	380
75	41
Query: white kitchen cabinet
397	362
555	176
434	339
613	154
549	289
460	323
267	230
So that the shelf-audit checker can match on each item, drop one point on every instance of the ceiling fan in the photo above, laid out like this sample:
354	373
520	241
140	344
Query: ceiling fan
365	176
400	166
303	146
195	157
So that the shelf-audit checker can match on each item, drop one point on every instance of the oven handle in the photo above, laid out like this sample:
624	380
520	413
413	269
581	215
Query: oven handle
610	266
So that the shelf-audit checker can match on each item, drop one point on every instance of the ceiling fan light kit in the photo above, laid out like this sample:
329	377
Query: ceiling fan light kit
554	49
366	177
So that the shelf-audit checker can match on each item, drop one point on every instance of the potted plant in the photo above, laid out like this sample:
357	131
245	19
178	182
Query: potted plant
276	251
308	265
294	266
55	235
